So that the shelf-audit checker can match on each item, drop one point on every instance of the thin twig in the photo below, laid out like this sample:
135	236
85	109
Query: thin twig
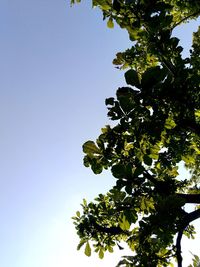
186	18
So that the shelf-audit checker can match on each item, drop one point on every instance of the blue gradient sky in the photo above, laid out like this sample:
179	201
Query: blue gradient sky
56	72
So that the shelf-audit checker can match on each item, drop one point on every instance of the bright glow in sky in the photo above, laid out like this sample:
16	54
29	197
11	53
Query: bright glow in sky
56	72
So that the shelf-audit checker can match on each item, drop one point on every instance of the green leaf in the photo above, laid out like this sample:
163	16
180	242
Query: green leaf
139	170
131	77
147	160
170	123
152	76
72	2
78	214
118	170
154	151
81	243
124	223
86	161
197	113
131	216
88	249
110	101
147	204
84	202
125	96
96	167
101	253
188	159
110	23
89	147
129	189
105	5
110	249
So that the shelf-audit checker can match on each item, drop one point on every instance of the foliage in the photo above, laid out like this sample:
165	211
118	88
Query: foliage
157	127
196	261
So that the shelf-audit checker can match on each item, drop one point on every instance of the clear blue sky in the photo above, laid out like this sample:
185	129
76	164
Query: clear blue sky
56	72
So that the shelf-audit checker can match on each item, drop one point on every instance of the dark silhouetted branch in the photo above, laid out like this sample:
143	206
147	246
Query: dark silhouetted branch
178	248
190	198
190	217
113	230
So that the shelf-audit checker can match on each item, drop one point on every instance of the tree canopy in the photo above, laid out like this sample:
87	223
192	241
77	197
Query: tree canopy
157	127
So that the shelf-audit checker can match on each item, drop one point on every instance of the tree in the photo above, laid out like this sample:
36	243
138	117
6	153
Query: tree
157	127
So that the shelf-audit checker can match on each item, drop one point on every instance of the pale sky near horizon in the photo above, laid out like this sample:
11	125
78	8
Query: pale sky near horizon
56	71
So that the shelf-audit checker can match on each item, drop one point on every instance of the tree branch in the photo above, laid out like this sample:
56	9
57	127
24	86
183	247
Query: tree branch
178	248
150	177
190	217
190	198
163	187
113	230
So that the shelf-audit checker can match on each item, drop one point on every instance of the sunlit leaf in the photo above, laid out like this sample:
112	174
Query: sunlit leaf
87	249
110	23
169	123
81	243
124	224
89	147
101	253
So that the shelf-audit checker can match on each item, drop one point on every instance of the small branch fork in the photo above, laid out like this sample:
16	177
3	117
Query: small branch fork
187	220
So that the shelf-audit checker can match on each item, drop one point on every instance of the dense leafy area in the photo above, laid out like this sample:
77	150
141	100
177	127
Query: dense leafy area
157	128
